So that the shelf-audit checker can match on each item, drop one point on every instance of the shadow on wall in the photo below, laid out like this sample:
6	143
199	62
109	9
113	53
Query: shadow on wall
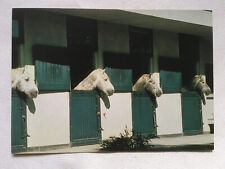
105	99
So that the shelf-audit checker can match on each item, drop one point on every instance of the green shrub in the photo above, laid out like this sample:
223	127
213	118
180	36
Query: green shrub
125	142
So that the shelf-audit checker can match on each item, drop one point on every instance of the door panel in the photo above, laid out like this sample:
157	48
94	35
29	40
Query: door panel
191	113
52	77
120	78
143	114
18	124
84	118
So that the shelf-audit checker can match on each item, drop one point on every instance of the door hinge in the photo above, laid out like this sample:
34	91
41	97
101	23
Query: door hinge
100	129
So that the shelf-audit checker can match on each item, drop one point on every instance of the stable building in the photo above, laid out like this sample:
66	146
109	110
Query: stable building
65	45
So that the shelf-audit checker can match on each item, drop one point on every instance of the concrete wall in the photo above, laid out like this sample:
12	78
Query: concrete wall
42	28
111	38
169	114
118	117
49	124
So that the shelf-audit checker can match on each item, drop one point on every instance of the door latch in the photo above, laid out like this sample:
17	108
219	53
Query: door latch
100	129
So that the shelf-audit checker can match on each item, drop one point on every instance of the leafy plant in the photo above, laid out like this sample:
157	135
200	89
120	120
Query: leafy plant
125	142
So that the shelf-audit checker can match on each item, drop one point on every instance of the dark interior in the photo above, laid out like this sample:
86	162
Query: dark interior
189	55
82	42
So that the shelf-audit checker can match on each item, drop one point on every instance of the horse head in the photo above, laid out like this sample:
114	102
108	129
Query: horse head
103	83
152	86
147	83
199	83
24	82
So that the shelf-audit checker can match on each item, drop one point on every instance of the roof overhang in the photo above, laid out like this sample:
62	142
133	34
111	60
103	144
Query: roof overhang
189	22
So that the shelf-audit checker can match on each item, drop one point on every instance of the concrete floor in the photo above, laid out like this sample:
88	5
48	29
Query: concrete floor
184	140
201	139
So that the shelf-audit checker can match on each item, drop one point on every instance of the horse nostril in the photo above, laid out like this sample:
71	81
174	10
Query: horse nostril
34	93
111	92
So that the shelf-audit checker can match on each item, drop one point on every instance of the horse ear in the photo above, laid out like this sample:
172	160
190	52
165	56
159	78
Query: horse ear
149	75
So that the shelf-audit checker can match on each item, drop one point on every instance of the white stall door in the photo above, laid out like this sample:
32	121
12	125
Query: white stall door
169	114
207	114
49	124
118	117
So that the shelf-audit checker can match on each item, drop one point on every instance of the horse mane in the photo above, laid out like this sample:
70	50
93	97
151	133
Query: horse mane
88	82
140	81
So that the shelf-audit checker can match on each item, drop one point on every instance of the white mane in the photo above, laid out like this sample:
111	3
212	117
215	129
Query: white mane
97	79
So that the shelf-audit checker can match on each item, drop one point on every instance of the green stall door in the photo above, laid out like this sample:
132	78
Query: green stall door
191	114
52	77
18	124
120	78
143	116
85	122
171	82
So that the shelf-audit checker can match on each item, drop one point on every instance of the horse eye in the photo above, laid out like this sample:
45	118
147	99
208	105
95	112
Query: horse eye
202	81
27	78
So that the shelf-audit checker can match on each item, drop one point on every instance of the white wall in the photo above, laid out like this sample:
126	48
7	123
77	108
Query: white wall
42	27
169	114
119	116
207	114
49	124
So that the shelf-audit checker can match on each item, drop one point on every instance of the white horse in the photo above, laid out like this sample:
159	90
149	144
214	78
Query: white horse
199	84
23	80
147	83
98	80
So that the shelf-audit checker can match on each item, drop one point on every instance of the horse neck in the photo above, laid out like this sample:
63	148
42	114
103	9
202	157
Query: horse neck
140	85
89	83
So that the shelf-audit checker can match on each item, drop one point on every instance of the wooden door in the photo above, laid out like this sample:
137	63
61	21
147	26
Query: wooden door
18	123
143	115
191	114
52	77
84	118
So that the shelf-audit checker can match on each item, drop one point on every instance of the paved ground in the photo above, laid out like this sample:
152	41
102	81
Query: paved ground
195	142
184	140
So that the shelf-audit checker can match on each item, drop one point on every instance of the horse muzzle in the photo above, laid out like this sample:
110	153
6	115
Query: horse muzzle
33	93
110	92
159	93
